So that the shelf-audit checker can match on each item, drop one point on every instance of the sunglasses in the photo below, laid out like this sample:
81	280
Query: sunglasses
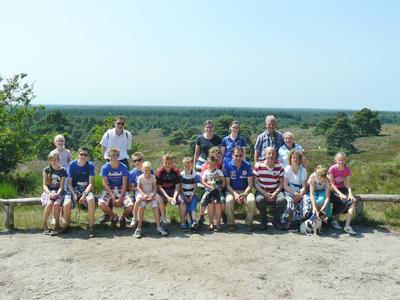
120	123
137	160
114	155
238	155
83	154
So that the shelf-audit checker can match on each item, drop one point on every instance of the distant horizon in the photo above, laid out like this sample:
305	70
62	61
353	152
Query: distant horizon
211	107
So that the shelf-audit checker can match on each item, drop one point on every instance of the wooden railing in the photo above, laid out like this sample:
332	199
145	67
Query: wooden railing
10	203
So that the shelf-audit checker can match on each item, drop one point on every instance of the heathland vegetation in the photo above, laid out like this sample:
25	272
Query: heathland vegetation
372	139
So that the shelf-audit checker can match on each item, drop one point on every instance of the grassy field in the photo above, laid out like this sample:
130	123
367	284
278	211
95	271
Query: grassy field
376	170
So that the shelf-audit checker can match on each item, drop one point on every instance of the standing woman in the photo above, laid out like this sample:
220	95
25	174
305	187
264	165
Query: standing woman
234	139
288	146
203	143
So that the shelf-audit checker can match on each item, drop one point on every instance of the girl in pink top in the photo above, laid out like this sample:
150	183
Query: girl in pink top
341	197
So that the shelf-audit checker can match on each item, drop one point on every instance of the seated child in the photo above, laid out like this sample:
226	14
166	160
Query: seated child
320	191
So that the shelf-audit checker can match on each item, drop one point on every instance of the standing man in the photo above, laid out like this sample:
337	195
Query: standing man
268	181
269	138
118	138
239	183
121	139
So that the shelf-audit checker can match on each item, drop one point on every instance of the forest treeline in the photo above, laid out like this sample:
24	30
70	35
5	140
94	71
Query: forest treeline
27	132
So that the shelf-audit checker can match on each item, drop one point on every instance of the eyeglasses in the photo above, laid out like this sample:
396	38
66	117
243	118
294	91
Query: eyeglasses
83	154
137	160
120	123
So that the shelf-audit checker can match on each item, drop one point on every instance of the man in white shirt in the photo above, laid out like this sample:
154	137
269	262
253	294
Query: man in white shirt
121	139
118	138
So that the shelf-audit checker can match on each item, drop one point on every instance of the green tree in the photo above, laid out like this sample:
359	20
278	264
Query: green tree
340	137
222	124
324	125
16	113
366	122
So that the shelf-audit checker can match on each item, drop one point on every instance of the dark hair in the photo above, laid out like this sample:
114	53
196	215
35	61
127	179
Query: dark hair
208	122
84	148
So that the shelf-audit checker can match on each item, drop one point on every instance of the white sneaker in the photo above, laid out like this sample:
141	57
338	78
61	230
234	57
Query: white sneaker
349	230
335	224
133	223
162	231
138	233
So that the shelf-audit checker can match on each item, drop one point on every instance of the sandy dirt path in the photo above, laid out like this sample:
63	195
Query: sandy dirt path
240	265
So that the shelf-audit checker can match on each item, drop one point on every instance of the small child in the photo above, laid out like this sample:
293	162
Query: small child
213	181
341	196
53	193
147	194
189	188
320	191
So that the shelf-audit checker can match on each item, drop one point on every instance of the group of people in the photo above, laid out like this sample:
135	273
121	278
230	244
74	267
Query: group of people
218	171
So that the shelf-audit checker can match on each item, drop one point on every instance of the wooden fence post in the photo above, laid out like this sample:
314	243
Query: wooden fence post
360	210
9	217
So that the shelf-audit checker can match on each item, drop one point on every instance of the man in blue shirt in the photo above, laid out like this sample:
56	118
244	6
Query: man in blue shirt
239	183
80	186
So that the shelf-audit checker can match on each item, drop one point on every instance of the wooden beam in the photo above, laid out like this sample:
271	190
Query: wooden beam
379	198
21	201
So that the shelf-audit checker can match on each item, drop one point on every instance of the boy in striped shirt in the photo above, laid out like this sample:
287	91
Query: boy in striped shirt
268	181
189	180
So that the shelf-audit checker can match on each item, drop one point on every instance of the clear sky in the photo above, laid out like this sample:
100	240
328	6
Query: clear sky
306	54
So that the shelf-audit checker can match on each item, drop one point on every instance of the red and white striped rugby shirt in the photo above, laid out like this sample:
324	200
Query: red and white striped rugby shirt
268	178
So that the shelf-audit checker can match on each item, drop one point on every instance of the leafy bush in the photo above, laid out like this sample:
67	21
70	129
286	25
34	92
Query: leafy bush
7	190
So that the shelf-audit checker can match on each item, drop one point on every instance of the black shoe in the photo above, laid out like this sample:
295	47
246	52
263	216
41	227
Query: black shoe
92	232
104	219
224	219
201	220
114	222
263	226
64	230
122	222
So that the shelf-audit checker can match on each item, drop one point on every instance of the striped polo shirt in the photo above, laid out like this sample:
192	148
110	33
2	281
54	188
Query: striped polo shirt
268	178
189	182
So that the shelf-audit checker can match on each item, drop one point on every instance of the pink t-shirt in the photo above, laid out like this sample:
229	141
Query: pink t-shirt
339	176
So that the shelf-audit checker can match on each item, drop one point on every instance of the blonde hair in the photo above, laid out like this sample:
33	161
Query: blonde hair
321	172
59	136
187	159
167	156
146	164
288	133
341	154
138	155
113	150
294	152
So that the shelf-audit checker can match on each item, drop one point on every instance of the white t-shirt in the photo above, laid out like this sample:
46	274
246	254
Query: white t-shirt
214	178
122	142
295	180
147	184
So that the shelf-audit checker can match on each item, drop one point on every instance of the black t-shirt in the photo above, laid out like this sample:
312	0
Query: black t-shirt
168	180
55	177
206	144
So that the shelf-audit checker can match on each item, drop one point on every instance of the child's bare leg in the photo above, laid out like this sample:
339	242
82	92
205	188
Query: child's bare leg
46	214
182	212
57	211
136	208
211	207
127	211
350	213
140	215
91	210
218	208
156	211
107	210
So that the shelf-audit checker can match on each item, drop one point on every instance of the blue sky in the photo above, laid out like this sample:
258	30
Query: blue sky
306	54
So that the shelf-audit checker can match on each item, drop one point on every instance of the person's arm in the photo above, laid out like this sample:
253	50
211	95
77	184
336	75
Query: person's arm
223	150
196	156
278	189
347	185
250	184
45	187
312	193
205	183
286	186
177	190
327	197
162	191
139	188
71	189
256	155
108	190
260	189
61	189
244	153
124	187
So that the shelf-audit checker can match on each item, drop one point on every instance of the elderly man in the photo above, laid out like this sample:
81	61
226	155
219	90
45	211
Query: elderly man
239	183
268	178
269	138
